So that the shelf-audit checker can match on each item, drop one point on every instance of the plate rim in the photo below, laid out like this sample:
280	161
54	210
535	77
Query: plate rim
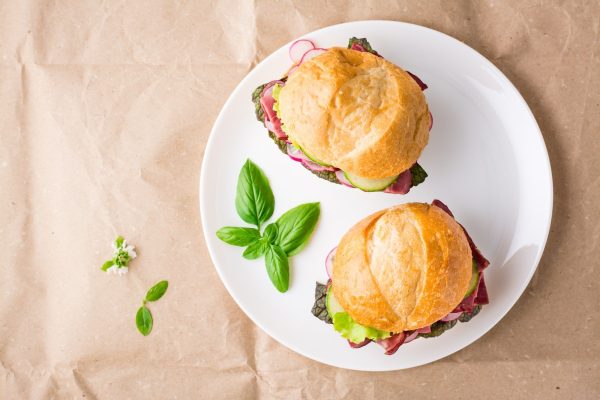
522	104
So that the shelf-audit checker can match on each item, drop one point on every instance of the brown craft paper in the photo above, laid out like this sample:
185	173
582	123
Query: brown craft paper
105	110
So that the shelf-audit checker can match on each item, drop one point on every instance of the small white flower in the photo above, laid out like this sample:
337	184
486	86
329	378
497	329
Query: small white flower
117	270
129	249
122	254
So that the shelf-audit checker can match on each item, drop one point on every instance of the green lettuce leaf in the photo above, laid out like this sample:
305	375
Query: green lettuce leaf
276	92
355	332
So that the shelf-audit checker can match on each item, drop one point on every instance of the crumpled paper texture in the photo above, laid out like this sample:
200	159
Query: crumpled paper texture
105	110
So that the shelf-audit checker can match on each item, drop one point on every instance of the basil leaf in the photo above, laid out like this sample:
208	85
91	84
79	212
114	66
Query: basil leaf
157	291
254	200
278	267
296	226
271	232
238	236
255	250
143	320
119	241
107	265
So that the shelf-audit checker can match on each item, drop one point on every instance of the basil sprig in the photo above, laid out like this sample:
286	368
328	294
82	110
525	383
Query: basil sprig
254	200
143	317
281	239
296	226
278	267
238	236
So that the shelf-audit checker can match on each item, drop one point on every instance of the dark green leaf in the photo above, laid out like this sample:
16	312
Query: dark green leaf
364	43
254	200
258	111
143	320
256	250
418	174
319	308
157	291
437	328
327	175
466	317
278	267
119	241
237	236
296	226
107	265
281	144
271	232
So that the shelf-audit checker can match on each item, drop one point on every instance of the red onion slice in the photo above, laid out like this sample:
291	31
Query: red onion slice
299	48
269	125
340	177
295	153
452	316
329	262
292	69
312	53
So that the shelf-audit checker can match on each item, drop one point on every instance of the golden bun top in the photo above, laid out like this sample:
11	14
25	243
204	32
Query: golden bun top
402	268
357	112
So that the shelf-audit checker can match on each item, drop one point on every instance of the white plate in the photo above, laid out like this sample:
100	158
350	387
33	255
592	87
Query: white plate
486	159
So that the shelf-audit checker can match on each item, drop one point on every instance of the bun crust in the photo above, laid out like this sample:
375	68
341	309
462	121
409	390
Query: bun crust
402	268
357	112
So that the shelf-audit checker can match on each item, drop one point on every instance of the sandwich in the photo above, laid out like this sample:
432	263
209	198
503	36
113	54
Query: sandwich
349	116
406	272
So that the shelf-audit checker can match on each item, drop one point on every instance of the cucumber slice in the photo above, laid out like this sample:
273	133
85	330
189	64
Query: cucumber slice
310	157
333	307
370	185
313	159
474	280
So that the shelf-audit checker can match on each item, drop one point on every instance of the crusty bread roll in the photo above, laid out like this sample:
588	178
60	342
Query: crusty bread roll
357	112
402	268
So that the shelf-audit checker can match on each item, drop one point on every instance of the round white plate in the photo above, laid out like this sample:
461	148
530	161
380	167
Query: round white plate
486	159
